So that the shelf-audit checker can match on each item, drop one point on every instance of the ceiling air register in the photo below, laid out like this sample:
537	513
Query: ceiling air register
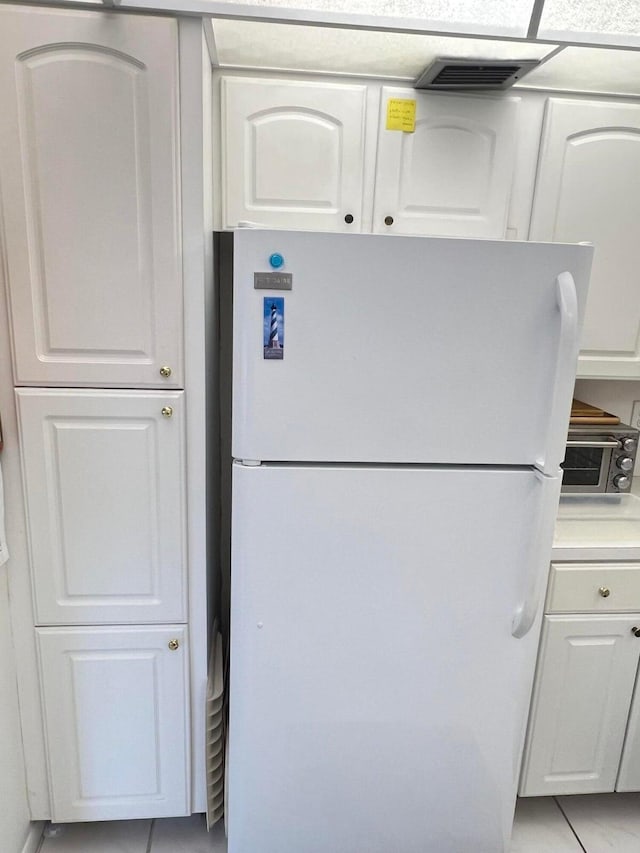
474	73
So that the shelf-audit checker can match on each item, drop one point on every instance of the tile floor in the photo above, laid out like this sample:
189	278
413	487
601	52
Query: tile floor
590	824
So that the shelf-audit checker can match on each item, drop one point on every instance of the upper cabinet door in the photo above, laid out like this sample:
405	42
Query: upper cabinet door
90	197
588	189
453	175
293	154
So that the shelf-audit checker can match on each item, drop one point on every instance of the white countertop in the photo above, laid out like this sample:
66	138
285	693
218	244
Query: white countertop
598	527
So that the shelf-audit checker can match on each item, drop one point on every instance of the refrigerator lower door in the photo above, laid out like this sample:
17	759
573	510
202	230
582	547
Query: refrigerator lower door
378	697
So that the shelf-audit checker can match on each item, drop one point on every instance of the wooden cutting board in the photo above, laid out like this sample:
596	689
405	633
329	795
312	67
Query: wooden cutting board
583	413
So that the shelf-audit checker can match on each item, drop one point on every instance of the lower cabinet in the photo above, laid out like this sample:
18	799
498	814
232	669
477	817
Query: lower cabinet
106	511
629	775
116	709
584	726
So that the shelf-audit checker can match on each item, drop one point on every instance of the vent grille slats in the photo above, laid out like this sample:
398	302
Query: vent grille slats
473	73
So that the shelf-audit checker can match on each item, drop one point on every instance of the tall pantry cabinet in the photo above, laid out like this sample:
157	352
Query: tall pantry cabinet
91	199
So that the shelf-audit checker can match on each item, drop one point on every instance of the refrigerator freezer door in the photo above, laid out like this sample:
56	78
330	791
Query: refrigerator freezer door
378	697
403	349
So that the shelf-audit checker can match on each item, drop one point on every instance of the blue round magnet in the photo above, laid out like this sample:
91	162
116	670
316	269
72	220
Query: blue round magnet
276	260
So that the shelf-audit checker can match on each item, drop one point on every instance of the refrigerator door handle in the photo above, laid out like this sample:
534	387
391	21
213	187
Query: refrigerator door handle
568	347
539	554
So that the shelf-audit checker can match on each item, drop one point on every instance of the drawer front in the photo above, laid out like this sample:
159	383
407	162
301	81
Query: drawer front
594	587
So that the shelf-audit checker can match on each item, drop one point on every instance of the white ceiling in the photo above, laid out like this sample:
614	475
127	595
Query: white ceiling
494	17
589	69
613	22
291	47
599	22
402	56
594	22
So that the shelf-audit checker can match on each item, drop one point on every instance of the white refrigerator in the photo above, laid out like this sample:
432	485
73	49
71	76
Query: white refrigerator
400	409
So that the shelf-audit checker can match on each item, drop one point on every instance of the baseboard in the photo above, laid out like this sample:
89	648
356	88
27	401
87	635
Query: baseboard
34	836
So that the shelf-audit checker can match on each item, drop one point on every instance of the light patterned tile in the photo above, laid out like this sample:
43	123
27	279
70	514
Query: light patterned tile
187	835
113	836
605	822
539	827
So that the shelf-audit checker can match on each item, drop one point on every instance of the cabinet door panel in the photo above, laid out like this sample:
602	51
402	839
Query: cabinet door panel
89	176
629	775
588	189
115	703
453	175
105	506
293	153
586	671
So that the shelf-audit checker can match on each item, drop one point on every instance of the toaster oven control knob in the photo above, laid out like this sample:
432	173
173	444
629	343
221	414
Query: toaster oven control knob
625	463
621	482
629	445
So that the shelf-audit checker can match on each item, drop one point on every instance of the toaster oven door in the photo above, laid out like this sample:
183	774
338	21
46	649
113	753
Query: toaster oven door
587	463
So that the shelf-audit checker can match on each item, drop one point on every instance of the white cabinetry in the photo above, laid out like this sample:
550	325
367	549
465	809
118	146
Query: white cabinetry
588	189
104	478
585	678
90	196
115	703
91	200
292	153
453	175
587	668
629	776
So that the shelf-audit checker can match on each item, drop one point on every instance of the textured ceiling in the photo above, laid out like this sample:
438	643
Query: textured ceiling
497	17
291	47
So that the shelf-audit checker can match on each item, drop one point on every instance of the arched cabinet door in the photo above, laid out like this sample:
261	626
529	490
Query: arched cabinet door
292	154
89	184
452	176
588	189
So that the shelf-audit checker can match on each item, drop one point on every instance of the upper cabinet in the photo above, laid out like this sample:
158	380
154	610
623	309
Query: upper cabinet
453	175
297	154
588	189
293	154
89	176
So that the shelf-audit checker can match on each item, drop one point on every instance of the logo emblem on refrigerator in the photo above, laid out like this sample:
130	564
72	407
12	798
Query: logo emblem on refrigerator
272	281
273	327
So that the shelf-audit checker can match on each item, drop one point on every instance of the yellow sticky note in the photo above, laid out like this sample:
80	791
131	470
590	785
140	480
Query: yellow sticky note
401	114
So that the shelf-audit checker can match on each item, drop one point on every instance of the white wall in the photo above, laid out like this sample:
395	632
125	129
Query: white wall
14	811
613	395
15	598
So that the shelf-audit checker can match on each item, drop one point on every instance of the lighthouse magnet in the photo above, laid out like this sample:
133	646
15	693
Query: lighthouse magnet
273	327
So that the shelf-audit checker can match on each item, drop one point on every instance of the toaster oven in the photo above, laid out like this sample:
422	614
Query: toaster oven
599	458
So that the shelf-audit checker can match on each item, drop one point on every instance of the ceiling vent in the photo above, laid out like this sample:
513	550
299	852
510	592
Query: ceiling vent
472	74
